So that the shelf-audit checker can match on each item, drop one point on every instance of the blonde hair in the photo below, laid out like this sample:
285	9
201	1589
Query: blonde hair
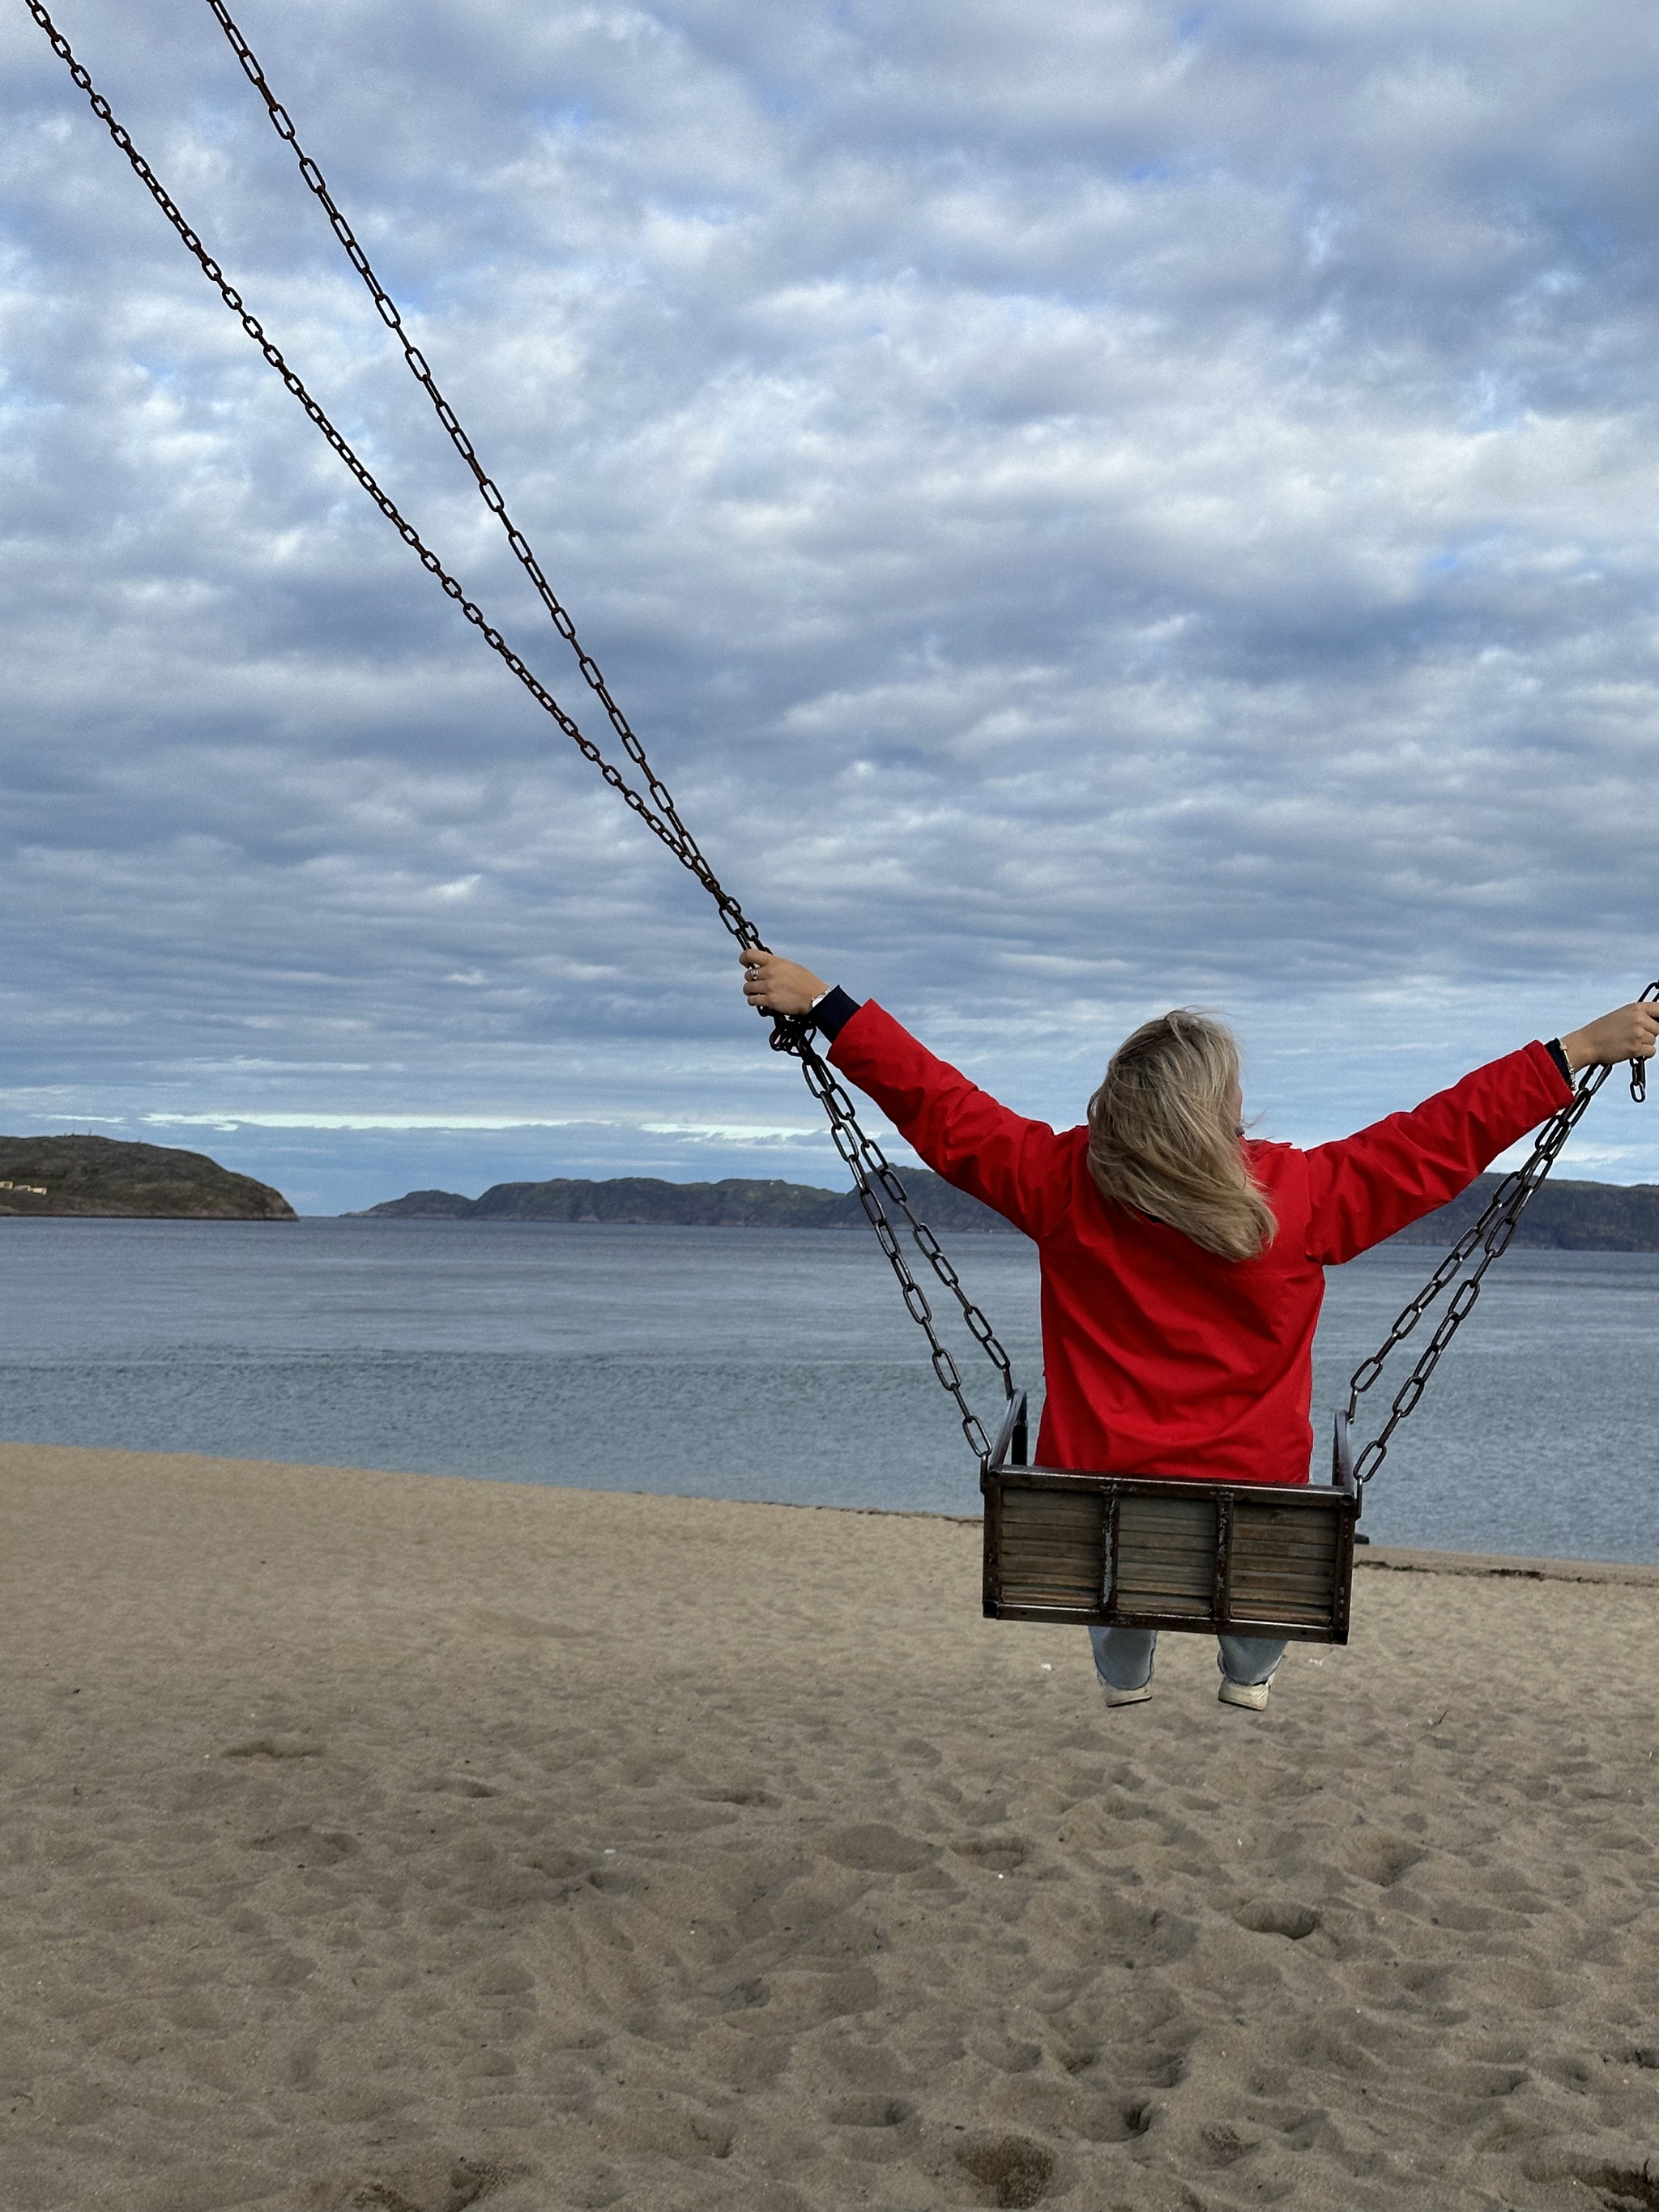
1162	1139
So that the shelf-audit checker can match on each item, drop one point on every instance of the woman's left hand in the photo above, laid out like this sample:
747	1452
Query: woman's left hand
778	985
1627	1033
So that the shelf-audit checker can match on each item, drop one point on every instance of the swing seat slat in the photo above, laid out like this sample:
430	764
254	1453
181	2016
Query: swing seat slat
1156	1551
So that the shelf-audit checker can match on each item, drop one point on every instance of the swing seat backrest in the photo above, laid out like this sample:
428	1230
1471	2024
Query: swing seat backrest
1235	1558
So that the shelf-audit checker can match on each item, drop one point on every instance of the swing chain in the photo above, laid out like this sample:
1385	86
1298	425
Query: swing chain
668	829
490	492
875	1180
872	1174
1492	1234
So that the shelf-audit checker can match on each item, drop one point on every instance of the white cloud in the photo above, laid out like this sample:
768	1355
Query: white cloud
1089	508
235	1119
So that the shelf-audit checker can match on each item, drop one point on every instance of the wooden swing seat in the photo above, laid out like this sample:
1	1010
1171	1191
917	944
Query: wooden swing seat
1132	1551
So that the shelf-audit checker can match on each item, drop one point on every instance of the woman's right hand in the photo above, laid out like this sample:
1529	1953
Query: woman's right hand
1627	1033
778	985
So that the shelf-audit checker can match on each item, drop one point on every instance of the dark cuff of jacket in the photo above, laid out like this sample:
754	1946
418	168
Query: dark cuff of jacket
834	1010
1554	1048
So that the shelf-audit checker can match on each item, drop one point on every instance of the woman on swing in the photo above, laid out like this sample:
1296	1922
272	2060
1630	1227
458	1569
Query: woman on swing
1182	1261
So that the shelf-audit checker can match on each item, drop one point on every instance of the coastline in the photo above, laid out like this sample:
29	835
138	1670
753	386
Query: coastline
428	1841
1502	1566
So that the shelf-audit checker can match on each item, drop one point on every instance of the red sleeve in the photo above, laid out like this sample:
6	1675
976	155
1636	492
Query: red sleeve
1016	1166
1364	1188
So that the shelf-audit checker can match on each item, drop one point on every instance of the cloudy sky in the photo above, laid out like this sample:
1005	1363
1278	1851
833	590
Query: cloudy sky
1089	508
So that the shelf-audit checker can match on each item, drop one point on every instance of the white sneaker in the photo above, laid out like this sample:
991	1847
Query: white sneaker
1125	1697
1253	1694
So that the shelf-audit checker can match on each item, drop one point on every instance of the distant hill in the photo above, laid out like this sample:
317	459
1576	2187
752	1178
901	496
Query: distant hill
737	1203
102	1175
1565	1217
419	1206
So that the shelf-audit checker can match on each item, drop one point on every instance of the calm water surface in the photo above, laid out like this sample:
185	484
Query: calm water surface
773	1364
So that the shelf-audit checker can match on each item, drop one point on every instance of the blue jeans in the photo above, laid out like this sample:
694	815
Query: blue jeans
1123	1657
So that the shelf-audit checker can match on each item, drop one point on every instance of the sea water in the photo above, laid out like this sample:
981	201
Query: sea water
758	1363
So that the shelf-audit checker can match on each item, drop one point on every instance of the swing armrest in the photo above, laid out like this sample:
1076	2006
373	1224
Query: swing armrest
1342	1456
1010	1448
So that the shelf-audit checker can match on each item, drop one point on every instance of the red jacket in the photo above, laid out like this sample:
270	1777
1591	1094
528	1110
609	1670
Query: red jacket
1160	1357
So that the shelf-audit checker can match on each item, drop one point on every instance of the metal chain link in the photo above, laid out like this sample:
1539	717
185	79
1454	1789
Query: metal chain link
874	1178
1492	1234
668	828
872	1175
390	314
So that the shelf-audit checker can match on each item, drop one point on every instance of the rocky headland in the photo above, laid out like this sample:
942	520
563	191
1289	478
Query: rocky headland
105	1175
739	1202
1565	1217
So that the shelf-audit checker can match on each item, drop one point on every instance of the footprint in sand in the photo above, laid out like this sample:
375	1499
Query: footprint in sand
1159	2069
870	2113
1621	2185
996	1854
1272	1916
746	1996
1221	2146
1007	2056
1115	2119
688	2137
1381	1858
874	1848
307	1846
1012	2169
439	2185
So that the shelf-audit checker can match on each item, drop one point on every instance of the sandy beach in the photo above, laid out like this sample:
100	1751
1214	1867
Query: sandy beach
385	1841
